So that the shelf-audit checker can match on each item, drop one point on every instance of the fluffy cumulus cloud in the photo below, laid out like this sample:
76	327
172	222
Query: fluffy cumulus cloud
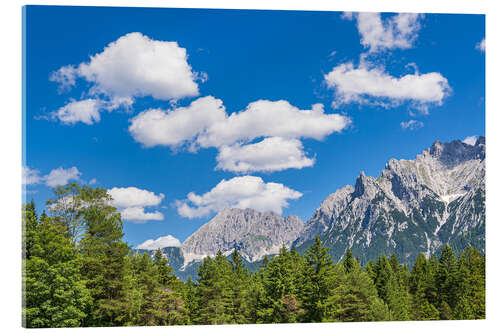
377	34
61	176
273	118
368	84
412	124
177	126
85	111
132	66
205	123
470	140
137	214
131	203
133	196
159	243
240	192
481	46
270	154
31	176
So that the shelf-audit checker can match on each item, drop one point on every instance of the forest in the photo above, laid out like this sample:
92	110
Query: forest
78	272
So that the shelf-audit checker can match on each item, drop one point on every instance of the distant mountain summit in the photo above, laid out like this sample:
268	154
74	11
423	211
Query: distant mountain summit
253	233
413	206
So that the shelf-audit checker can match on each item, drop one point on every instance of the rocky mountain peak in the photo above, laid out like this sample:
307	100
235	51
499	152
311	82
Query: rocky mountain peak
253	233
365	186
413	206
451	154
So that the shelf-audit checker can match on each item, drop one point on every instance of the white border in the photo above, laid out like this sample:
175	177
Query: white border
10	172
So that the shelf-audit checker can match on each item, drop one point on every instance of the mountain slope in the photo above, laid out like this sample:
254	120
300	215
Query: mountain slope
413	206
253	233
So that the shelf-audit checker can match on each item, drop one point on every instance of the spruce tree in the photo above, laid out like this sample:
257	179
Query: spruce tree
446	278
213	291
319	281
280	283
239	285
471	279
166	273
422	288
30	223
355	297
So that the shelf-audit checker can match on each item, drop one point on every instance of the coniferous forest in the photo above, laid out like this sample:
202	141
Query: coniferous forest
78	271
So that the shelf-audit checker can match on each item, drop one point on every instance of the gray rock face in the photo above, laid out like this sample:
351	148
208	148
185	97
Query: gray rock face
413	206
253	233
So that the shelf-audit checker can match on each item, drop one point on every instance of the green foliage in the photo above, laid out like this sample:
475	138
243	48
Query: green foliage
319	281
54	292
280	281
213	292
78	271
355	299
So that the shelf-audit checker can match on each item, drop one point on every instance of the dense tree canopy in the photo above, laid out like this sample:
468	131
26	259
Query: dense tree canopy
78	271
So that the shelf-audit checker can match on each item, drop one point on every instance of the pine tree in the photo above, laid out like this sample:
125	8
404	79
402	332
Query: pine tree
446	278
355	297
349	261
280	279
389	288
165	271
471	280
239	284
213	292
190	300
30	223
319	281
422	288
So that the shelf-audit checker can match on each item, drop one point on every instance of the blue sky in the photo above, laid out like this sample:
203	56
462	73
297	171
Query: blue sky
128	122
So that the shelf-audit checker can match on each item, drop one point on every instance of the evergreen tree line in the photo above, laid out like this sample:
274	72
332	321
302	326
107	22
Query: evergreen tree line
78	271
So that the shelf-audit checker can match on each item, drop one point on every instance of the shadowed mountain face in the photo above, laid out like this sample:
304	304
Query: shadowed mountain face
413	206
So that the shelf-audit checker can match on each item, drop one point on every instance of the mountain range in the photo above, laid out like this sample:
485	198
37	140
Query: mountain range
413	206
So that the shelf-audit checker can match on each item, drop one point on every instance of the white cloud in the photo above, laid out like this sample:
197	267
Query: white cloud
177	126
481	46
65	76
93	181
31	176
470	140
204	123
61	176
132	66
85	111
159	243
270	154
137	214
55	177
131	202
239	192
366	85
133	196
397	31
273	118
411	124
